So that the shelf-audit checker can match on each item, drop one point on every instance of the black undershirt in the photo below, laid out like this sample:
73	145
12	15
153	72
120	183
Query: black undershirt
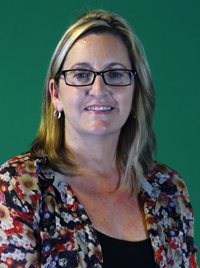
120	254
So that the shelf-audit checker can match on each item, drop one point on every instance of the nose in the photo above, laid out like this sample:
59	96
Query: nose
98	88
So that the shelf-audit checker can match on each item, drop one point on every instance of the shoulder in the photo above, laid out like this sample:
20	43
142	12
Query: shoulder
171	188
19	165
173	197
25	160
19	175
28	175
166	179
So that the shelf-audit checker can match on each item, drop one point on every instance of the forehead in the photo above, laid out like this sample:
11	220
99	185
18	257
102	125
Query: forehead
98	47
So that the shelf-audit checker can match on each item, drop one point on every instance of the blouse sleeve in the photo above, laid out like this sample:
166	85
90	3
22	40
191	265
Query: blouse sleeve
170	220
19	235
187	217
177	219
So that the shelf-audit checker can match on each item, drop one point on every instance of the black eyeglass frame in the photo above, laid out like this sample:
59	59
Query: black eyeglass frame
132	73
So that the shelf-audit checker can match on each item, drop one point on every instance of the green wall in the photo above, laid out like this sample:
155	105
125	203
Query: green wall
170	33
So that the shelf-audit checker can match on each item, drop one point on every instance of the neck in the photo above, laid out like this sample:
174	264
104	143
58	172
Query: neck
94	153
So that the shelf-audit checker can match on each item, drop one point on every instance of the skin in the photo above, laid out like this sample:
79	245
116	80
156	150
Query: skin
93	135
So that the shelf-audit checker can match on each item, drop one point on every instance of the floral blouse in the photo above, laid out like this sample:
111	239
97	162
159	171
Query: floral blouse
42	223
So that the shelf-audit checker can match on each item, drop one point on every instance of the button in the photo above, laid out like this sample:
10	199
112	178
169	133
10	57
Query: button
162	263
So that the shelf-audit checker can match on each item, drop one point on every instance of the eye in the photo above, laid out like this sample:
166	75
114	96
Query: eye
115	74
79	77
81	74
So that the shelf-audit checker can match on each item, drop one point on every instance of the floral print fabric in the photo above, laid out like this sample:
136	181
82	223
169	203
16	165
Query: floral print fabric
42	223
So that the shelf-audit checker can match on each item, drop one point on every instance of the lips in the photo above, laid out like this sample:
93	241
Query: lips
99	108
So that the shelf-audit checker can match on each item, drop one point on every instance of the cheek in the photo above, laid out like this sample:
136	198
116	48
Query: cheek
127	102
71	100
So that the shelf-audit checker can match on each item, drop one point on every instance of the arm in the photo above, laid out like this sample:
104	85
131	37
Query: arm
19	239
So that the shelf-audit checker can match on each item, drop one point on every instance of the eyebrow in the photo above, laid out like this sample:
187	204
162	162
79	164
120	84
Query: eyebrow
88	66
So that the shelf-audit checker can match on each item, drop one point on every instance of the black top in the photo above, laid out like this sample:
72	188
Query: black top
119	253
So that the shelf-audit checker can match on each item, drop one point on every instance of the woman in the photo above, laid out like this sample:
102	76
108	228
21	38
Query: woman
89	194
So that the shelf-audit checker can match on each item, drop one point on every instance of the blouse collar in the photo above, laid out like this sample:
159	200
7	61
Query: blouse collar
58	179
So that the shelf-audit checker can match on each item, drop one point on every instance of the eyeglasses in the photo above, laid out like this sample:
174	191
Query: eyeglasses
115	77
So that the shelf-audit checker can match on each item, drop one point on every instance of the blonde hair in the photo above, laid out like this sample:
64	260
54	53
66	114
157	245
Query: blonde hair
136	143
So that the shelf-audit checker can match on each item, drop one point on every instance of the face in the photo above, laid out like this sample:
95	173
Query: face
97	109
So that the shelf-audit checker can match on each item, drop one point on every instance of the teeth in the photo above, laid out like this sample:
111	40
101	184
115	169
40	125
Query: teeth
99	108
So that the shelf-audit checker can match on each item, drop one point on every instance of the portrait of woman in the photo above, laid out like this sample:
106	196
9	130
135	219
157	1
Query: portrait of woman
89	191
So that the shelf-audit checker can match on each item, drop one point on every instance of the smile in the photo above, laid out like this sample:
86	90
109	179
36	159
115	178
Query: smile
99	108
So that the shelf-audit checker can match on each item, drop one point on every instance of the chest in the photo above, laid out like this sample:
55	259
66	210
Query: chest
117	215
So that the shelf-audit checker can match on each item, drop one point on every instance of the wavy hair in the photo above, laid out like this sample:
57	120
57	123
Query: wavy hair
136	144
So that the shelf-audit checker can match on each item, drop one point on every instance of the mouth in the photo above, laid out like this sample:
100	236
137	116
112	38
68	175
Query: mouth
99	108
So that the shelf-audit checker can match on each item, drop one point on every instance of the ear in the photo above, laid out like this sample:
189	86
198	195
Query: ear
55	95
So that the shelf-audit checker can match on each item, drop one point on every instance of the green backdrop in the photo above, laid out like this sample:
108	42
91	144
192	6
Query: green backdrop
170	33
